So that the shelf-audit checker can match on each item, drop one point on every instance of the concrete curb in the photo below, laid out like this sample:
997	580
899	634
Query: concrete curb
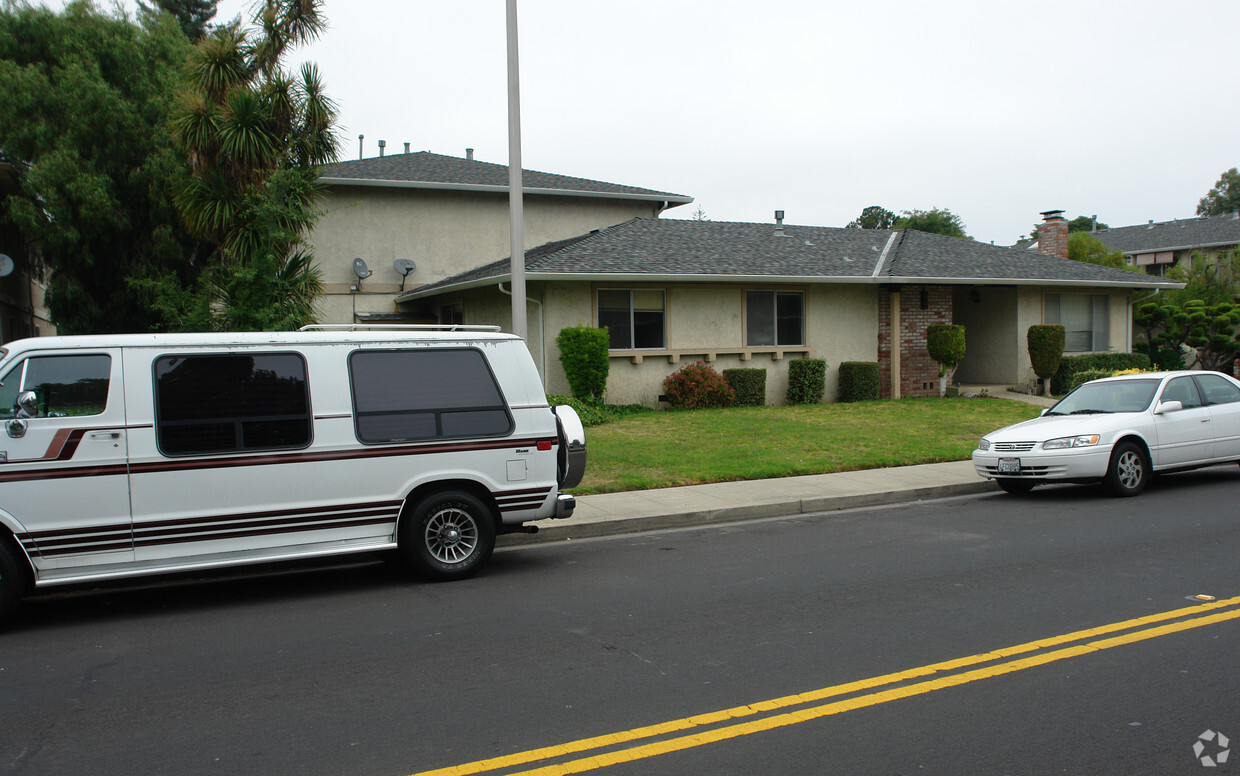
553	532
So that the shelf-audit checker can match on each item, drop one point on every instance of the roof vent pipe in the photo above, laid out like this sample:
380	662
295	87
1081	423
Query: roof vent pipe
382	145
406	148
360	138
469	154
779	224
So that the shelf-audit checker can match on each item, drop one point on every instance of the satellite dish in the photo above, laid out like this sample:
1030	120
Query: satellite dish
404	267
6	265
360	269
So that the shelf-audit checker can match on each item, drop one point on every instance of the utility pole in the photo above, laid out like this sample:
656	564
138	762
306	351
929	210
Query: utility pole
516	208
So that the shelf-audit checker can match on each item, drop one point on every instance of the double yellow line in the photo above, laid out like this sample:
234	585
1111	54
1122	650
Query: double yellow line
690	732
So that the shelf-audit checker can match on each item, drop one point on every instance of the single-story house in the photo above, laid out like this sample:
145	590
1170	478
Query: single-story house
446	214
755	295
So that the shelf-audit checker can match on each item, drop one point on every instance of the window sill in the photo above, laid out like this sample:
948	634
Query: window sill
709	356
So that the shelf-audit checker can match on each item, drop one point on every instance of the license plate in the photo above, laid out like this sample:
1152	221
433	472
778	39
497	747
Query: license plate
1009	466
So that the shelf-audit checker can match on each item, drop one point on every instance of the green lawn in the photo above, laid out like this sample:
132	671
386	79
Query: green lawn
664	449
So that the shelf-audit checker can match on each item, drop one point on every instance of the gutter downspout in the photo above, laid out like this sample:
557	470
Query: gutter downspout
542	334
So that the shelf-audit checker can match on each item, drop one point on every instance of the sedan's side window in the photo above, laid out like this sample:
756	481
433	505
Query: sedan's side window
1218	390
1183	390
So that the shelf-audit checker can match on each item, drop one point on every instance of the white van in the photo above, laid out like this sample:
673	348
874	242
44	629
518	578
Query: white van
130	455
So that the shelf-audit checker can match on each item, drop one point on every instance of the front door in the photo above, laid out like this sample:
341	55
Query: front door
63	459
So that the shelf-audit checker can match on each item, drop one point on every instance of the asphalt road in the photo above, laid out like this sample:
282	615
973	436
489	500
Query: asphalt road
351	669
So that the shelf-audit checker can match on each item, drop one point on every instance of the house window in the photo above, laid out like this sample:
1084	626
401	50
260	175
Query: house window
774	318
635	318
1086	320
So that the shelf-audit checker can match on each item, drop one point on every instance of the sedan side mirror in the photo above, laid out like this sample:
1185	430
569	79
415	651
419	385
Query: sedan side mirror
1168	406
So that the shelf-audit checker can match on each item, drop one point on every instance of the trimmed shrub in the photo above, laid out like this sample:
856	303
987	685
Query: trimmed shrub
697	386
1046	343
945	344
583	353
1085	375
1110	362
860	381
807	380
749	385
593	414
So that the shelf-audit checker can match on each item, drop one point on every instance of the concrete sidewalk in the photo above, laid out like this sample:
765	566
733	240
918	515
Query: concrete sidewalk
644	510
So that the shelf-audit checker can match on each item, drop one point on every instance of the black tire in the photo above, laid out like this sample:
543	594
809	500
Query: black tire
13	580
1014	486
1129	470
447	535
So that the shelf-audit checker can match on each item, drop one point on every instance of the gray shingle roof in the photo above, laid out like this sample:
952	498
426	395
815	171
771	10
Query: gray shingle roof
670	250
429	170
1188	233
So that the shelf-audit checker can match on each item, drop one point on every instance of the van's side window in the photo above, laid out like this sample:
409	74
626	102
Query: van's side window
63	385
406	395
226	403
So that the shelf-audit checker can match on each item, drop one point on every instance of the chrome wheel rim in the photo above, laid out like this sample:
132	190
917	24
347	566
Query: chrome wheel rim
451	535
1129	469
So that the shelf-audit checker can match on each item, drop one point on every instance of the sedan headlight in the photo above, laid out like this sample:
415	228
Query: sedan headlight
984	444
1088	440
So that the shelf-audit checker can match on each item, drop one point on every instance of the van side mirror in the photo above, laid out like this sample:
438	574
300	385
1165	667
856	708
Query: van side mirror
1168	406
27	404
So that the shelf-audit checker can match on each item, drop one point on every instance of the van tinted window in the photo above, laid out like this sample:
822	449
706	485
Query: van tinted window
63	385
403	395
225	403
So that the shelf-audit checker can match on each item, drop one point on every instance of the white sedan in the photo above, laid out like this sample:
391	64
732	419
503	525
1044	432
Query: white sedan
1119	431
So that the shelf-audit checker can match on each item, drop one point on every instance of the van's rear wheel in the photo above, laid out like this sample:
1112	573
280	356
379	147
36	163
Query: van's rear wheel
12	580
447	535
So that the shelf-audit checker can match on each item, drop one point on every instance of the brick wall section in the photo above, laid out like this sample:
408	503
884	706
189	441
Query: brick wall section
919	374
1053	237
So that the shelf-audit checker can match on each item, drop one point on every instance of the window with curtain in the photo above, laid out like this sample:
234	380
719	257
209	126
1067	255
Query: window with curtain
1086	320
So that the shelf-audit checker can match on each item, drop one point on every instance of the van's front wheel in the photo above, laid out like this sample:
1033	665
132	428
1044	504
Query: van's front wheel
448	535
12	580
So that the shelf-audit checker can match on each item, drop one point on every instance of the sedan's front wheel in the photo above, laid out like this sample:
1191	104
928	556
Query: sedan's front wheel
1129	471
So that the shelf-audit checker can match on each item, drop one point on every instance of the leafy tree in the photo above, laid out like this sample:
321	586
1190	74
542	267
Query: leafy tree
1224	197
1210	280
1084	224
255	136
936	221
1208	331
1084	247
85	100
192	15
874	217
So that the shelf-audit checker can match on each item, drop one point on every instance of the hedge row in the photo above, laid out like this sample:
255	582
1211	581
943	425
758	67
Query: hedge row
1110	362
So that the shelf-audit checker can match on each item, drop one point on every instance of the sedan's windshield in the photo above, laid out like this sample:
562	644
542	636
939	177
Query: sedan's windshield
1111	396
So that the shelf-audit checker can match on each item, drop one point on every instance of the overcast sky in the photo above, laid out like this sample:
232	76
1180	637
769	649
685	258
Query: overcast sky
994	110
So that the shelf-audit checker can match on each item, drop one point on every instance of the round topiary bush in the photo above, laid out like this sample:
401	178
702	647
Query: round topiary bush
697	386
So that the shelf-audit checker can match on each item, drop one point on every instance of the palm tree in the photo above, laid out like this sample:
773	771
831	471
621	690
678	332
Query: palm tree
255	136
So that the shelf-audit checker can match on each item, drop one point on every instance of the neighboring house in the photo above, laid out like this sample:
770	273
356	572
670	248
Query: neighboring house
1156	247
22	311
446	214
755	295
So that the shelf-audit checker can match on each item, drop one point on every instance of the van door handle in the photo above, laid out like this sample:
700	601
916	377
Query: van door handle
106	435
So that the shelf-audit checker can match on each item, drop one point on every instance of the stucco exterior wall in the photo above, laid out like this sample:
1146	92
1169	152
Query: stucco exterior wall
443	232
704	322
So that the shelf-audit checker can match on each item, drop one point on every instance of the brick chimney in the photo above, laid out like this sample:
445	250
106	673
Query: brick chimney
1053	234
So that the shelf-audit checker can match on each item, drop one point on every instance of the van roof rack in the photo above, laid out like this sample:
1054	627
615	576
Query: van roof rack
399	327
